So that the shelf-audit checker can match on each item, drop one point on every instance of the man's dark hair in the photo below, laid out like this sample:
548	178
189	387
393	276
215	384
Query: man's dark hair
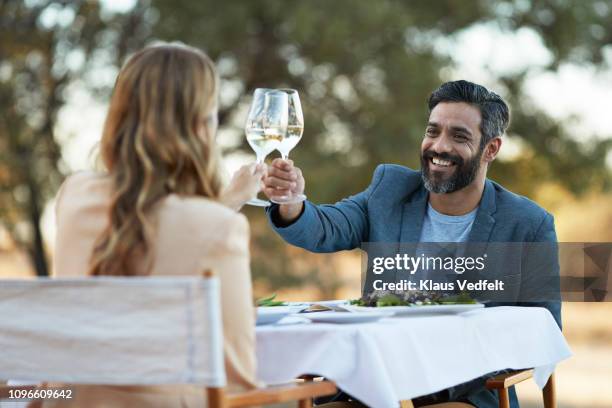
494	111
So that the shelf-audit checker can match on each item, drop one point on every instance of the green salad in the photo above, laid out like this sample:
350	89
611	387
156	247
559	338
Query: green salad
269	301
412	298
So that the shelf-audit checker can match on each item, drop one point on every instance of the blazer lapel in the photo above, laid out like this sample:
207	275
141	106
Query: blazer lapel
480	235
484	222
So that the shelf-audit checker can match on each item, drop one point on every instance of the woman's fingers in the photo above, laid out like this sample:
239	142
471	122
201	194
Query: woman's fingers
259	169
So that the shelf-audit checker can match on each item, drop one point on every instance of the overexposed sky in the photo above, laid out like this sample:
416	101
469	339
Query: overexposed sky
120	6
483	53
580	91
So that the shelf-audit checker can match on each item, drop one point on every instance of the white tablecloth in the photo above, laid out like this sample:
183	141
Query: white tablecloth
401	358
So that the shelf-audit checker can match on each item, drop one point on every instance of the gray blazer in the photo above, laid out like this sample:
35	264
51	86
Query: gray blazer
392	210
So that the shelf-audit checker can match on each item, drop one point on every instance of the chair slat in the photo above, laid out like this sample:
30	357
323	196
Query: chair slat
508	379
278	394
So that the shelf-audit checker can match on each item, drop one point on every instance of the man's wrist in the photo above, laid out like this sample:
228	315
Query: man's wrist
287	214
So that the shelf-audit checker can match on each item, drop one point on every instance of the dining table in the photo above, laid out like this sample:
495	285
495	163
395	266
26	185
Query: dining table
399	358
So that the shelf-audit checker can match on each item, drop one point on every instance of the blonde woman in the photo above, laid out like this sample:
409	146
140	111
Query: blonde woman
160	208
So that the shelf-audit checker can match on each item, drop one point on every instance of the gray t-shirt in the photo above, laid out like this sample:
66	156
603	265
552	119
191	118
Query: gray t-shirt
438	227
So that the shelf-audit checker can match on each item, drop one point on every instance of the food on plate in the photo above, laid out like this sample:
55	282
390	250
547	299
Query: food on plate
412	298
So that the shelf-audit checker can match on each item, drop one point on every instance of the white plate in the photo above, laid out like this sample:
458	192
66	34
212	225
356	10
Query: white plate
272	314
320	302
411	310
346	317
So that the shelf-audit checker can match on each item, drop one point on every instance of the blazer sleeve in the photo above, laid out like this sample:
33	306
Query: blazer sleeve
330	227
238	313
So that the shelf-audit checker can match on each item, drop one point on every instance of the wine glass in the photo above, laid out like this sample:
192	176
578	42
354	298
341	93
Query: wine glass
295	128
266	126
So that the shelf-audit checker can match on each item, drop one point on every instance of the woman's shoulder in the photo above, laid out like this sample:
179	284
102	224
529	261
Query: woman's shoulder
203	223
86	176
202	212
83	181
198	205
82	187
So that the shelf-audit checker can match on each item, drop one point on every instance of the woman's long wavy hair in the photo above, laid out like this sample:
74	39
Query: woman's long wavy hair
158	140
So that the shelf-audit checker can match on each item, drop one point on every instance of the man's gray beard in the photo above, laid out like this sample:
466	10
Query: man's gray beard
438	188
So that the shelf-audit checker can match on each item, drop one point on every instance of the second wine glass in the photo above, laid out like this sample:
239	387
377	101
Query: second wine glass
295	128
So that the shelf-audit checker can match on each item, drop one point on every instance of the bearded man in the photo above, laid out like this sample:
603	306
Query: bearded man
449	200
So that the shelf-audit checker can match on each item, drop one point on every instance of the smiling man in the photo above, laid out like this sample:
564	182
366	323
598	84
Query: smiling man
449	200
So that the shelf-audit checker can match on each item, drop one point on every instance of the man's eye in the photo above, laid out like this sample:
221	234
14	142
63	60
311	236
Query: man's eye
430	133
461	138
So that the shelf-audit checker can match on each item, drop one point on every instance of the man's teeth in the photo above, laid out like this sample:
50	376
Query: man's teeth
441	162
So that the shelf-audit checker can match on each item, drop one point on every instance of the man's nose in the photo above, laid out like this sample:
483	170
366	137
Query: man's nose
442	144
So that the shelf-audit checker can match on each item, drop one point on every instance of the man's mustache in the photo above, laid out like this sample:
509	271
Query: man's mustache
430	154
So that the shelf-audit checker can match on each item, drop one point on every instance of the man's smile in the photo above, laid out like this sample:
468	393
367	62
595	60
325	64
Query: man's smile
437	164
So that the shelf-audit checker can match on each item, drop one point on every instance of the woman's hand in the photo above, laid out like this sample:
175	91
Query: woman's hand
245	184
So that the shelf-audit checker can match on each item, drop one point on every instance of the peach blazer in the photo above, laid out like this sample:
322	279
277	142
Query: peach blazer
193	234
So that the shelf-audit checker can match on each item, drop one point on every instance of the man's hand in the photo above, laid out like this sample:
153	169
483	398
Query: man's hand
284	179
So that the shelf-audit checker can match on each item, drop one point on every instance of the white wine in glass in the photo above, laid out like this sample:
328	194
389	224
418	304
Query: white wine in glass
295	128
266	126
263	141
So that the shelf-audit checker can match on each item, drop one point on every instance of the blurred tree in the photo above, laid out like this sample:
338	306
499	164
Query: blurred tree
365	69
44	46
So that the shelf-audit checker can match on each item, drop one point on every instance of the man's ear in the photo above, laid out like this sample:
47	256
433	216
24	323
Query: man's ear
492	149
